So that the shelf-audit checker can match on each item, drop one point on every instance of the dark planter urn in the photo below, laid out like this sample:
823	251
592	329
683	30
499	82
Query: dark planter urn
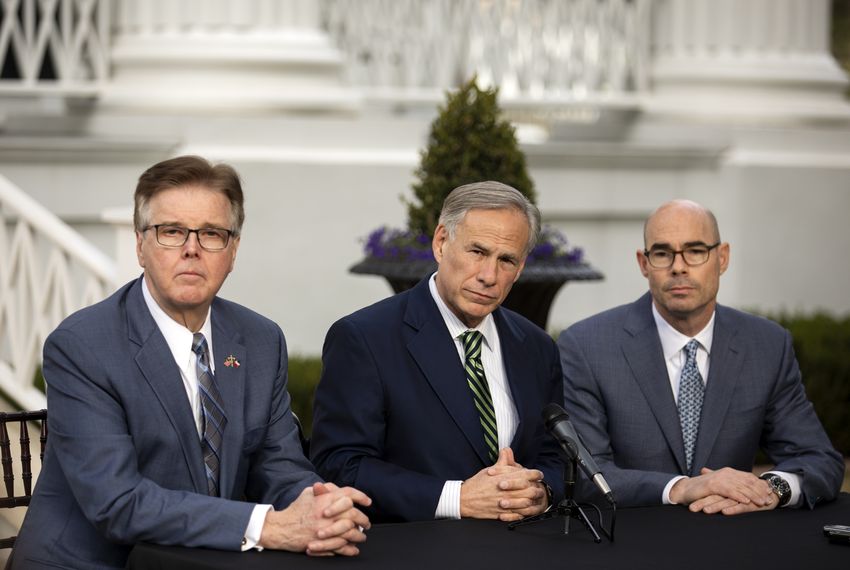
531	296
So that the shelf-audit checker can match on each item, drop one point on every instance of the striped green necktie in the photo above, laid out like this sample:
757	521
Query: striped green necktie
477	382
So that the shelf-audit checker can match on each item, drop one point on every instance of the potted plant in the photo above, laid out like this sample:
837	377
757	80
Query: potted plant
470	142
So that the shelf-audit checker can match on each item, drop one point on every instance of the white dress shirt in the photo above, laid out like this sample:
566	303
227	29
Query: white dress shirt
673	346
507	418
179	340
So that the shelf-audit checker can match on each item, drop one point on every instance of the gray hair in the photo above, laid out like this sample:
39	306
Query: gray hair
489	195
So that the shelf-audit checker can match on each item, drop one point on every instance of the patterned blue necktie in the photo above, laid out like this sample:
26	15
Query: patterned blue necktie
691	391
213	416
477	382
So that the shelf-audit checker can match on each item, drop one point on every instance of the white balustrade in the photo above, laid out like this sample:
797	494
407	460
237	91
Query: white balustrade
157	17
47	271
54	45
528	48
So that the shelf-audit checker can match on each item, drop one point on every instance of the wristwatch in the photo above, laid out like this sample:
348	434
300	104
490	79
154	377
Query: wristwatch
779	486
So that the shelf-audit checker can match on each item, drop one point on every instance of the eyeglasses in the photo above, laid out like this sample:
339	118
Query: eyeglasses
662	257
210	239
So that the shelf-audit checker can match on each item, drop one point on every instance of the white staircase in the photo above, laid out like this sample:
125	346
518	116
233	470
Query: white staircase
47	271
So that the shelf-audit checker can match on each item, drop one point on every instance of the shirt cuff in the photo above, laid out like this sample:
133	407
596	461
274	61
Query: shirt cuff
255	527
665	495
449	505
796	488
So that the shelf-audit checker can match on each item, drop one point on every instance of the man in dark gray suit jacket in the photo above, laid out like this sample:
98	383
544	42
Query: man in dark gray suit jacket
168	411
674	394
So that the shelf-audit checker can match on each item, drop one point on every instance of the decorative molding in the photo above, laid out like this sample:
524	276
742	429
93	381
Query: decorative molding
300	155
789	159
81	149
603	155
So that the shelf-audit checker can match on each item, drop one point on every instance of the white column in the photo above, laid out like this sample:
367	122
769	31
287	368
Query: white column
746	57
202	55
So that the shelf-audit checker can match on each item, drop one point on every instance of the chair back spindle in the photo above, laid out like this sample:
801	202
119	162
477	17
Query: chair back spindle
12	499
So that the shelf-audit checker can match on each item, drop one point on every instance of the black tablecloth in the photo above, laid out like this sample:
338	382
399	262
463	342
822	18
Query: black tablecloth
654	537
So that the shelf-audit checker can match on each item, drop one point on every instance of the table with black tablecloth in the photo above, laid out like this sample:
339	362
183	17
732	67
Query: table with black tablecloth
652	537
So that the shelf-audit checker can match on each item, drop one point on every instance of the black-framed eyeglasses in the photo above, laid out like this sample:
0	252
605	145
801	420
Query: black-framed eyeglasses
663	257
210	239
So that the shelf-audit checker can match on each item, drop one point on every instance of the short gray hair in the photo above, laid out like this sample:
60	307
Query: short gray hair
489	195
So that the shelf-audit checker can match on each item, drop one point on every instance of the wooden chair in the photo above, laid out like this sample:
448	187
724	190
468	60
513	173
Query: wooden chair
12	500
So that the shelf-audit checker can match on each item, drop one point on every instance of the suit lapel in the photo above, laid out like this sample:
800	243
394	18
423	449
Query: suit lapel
436	355
231	383
157	365
645	356
723	374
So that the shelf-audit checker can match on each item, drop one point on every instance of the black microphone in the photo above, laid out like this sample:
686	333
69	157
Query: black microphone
559	425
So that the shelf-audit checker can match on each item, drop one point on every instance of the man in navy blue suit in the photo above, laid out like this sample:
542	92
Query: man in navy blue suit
168	411
674	394
430	400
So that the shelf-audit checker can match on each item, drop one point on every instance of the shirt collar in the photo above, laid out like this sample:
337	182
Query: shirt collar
486	327
177	336
672	341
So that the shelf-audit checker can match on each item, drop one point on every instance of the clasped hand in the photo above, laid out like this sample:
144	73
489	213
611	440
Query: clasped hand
324	520
726	491
506	491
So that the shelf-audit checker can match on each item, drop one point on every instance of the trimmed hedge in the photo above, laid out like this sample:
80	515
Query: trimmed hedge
304	374
821	343
822	346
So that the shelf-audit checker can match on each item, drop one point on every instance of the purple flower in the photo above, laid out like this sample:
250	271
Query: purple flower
552	245
386	243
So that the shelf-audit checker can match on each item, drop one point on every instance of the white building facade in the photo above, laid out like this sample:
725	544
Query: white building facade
323	107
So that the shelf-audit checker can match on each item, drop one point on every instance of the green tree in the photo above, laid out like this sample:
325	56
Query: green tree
469	142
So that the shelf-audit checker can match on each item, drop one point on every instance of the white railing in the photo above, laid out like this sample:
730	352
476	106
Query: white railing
54	45
568	49
47	271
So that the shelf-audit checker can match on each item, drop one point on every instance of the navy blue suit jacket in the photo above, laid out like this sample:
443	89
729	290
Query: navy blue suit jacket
617	391
123	461
394	415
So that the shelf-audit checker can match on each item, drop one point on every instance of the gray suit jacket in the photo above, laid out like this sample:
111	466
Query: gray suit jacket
618	394
123	461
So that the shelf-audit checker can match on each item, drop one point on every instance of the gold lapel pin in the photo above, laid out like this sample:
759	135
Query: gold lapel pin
231	361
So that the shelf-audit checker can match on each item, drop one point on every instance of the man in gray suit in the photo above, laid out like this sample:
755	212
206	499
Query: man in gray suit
168	411
674	394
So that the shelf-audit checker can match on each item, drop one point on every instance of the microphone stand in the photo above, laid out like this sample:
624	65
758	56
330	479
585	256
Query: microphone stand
568	508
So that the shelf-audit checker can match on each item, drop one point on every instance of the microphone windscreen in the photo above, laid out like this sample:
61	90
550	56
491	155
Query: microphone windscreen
553	413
